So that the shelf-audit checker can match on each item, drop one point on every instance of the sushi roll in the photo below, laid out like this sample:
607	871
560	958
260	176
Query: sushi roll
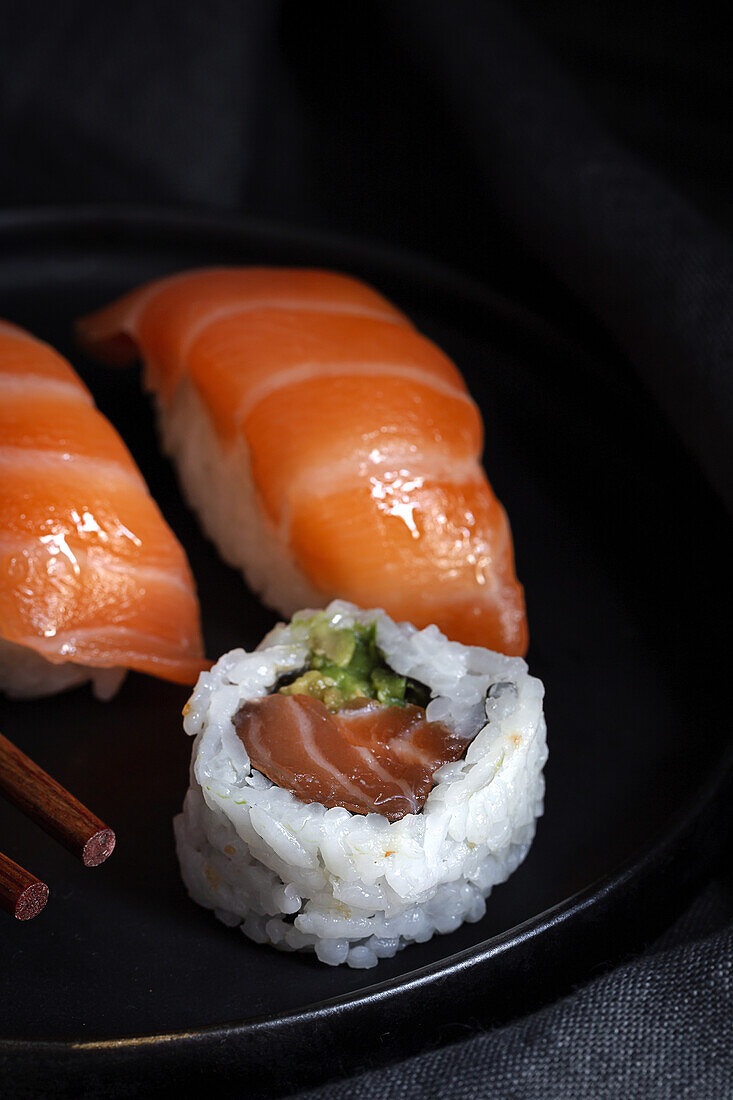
329	449
92	580
358	784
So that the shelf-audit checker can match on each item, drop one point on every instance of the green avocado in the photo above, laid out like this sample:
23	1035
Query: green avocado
346	663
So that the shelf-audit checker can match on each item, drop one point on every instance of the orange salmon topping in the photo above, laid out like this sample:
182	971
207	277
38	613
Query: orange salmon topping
90	572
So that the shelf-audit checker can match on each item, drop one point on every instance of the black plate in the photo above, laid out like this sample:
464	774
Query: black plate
620	546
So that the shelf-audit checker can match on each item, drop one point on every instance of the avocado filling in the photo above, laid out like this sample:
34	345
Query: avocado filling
345	664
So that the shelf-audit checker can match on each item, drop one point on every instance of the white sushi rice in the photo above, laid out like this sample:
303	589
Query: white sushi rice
233	519
25	674
355	888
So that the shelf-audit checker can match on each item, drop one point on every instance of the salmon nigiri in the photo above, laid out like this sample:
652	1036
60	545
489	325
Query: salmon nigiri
92	580
328	447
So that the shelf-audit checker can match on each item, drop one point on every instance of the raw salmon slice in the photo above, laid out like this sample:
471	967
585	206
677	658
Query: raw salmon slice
166	316
90	573
366	757
439	551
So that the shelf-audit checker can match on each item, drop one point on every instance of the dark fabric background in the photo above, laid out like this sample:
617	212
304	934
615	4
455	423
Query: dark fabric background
576	157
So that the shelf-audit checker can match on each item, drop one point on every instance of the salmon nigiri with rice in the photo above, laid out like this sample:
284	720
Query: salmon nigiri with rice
92	580
328	447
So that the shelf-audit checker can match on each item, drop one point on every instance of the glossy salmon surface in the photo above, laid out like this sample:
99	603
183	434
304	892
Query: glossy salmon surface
363	442
89	570
366	757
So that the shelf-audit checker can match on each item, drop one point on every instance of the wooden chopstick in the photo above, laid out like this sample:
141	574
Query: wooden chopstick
21	893
52	807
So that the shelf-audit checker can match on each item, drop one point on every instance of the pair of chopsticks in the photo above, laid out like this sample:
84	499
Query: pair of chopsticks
61	815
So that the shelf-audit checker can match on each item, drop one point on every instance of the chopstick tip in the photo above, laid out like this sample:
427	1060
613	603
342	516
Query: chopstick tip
98	848
31	901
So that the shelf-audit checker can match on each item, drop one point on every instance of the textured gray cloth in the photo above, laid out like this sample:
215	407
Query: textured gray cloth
659	1027
655	273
